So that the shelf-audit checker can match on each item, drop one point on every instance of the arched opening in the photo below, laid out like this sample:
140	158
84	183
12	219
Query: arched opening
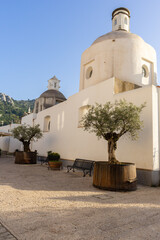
47	124
82	111
89	72
145	72
125	20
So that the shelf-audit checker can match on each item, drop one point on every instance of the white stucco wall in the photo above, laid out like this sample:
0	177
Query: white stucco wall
14	145
4	143
72	142
9	144
155	128
29	119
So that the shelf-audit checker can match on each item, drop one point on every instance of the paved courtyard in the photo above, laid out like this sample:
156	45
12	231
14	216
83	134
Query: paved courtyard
54	205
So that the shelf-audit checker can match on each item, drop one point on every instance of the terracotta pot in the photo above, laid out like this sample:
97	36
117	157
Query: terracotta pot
55	165
25	157
115	177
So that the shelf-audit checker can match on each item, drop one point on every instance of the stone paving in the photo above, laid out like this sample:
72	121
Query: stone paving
5	234
37	204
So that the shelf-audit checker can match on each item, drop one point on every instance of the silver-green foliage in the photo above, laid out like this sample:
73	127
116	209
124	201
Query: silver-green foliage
111	121
26	134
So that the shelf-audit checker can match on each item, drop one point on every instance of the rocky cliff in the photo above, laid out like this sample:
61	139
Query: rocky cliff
13	110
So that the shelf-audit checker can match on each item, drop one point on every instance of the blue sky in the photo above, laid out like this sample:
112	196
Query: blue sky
42	38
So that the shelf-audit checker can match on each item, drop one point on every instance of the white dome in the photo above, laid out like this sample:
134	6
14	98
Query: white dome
116	35
118	54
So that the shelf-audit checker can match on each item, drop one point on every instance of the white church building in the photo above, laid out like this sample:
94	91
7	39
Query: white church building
118	65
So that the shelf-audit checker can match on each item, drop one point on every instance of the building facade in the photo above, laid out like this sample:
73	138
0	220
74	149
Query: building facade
118	65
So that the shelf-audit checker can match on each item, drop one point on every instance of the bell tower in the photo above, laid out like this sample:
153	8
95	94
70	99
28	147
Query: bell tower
121	19
53	83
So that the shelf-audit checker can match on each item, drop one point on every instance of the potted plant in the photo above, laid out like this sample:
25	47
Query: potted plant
26	134
54	160
111	122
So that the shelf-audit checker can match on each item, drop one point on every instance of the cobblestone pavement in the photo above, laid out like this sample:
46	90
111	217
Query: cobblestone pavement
5	234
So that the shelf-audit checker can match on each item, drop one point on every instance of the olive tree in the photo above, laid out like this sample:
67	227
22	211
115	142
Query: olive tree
112	121
26	134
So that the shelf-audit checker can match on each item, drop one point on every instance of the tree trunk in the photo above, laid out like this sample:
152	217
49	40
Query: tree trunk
26	146
112	145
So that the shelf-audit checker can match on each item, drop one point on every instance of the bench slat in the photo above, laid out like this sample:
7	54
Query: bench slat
85	165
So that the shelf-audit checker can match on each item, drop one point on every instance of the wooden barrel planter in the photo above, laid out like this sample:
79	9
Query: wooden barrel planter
25	157
115	177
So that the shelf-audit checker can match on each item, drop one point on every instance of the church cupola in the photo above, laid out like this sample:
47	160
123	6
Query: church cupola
50	97
120	19
53	83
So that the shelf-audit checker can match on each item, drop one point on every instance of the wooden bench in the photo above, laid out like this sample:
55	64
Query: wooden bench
85	165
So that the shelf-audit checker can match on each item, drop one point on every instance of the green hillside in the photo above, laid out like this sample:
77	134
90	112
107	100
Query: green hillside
14	111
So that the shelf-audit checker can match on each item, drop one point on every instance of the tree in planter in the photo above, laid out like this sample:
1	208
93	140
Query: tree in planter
112	121
26	134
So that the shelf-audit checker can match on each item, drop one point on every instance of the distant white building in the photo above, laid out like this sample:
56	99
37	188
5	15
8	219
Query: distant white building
117	65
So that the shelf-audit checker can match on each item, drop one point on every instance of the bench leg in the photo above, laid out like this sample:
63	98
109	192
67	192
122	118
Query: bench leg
70	168
87	172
